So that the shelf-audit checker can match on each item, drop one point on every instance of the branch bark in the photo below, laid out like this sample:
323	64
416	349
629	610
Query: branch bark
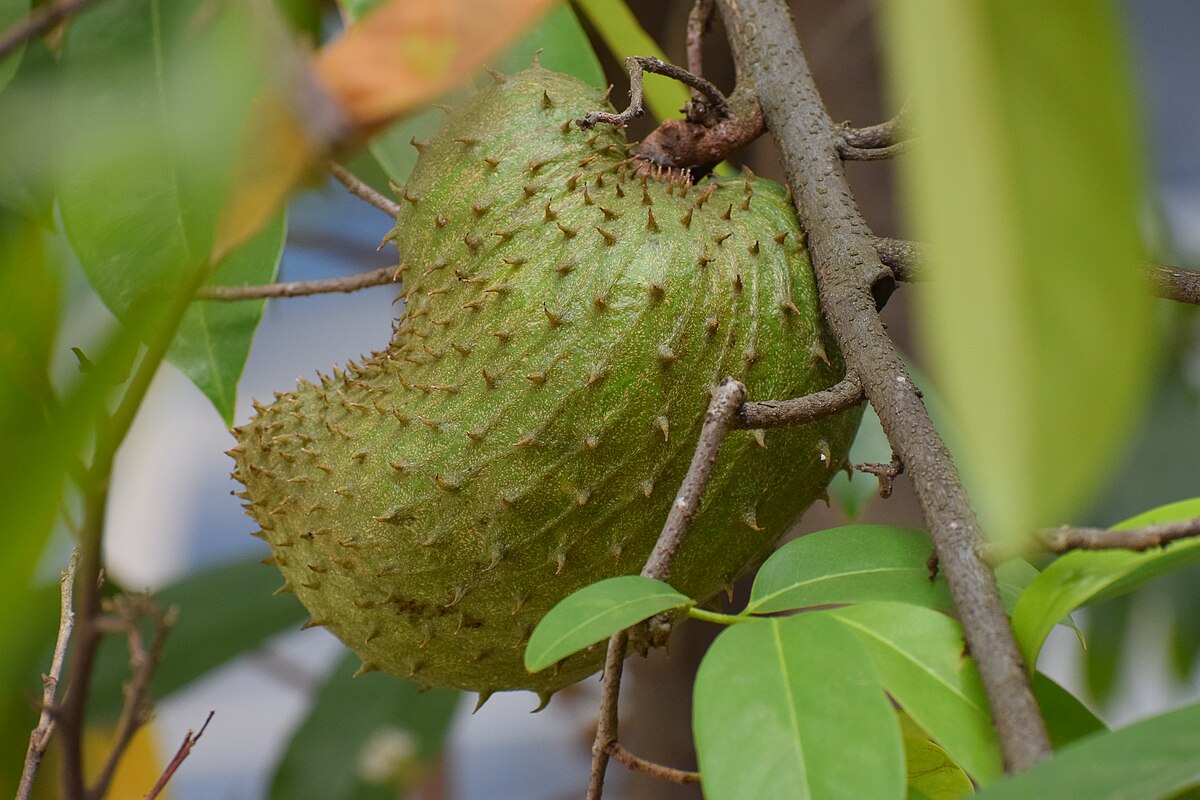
349	283
799	410
768	53
1066	538
357	187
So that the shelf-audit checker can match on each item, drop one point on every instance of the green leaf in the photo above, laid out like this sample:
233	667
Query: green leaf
165	88
26	152
918	653
367	738
565	48
932	773
851	564
625	37
790	707
1034	249
1067	719
1081	576
595	613
223	612
1149	760
11	11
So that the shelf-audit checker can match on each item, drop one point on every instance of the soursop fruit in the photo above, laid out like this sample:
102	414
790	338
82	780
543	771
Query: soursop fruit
524	432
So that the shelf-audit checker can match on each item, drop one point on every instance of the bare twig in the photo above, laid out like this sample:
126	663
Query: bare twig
849	152
37	23
1066	538
135	712
606	726
884	134
768	55
348	283
637	764
885	473
636	65
907	261
800	410
357	187
189	741
699	20
40	737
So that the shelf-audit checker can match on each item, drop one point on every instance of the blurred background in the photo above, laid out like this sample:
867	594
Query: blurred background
172	512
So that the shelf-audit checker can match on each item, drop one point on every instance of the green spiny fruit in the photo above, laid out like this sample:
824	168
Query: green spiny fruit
525	431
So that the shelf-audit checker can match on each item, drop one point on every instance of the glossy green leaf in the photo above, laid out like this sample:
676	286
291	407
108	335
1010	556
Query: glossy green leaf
11	11
790	707
367	738
165	88
564	48
595	613
1150	760
1025	183
1067	719
223	612
850	564
931	771
1081	576
625	37
918	653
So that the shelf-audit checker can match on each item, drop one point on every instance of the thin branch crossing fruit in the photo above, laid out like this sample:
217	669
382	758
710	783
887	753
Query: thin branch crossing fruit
524	432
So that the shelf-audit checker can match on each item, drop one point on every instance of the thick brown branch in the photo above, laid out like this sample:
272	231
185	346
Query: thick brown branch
348	283
907	261
361	190
1066	538
682	776
37	23
40	737
800	410
189	741
768	54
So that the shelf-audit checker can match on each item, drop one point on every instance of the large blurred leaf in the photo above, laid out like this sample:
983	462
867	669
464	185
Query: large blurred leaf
595	613
223	612
919	656
565	48
11	11
850	564
26	155
165	88
1149	760
790	707
1067	719
1081	576
1025	182
366	738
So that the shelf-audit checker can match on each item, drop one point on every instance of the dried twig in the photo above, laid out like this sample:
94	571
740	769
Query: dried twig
638	764
357	187
1066	538
885	473
189	741
768	55
699	21
799	410
37	23
40	737
348	283
636	65
606	726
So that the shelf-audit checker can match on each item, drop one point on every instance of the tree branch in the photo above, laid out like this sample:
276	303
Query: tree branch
1066	538
347	283
637	764
768	53
40	737
357	187
907	261
799	410
699	20
885	134
636	65
849	152
606	725
37	23
189	741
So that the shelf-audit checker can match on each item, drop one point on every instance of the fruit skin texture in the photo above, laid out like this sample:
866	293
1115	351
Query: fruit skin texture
525	431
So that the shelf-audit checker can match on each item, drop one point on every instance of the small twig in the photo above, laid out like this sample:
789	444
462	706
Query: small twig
606	726
37	23
722	411
885	473
800	410
357	187
189	741
907	261
142	662
348	283
637	764
636	65
699	21
851	153
40	737
1066	538
882	135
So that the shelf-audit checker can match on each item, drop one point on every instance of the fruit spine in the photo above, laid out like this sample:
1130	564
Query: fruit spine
524	432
